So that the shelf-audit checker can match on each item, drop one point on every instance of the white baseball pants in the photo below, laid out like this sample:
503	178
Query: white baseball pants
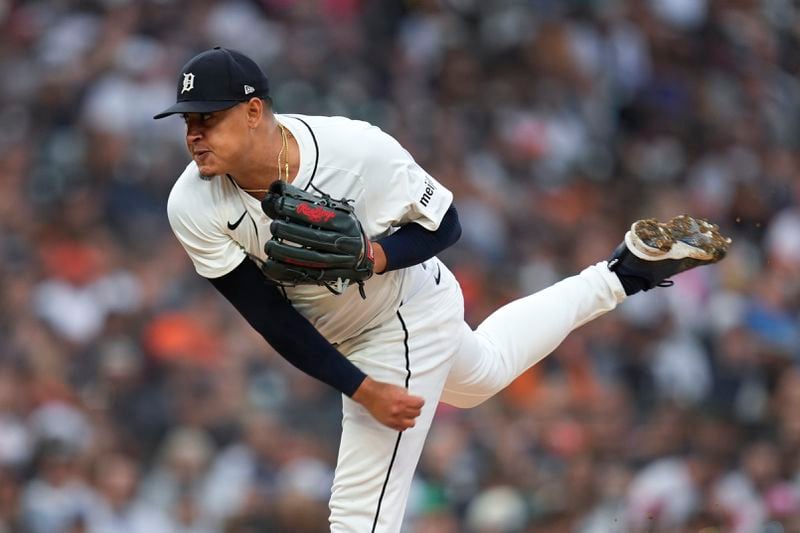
429	349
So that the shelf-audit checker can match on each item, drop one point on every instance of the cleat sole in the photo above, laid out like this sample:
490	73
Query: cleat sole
681	238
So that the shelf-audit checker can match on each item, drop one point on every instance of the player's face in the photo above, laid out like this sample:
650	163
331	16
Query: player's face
215	139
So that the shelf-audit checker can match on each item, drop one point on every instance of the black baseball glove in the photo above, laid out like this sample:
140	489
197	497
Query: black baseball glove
316	240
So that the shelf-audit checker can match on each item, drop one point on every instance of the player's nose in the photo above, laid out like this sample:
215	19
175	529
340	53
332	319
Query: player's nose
194	129
193	134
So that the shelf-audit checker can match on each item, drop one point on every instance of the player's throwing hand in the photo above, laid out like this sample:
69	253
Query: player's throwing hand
389	404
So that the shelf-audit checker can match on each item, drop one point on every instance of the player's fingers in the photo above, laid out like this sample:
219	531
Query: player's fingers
406	423
403	419
412	412
397	424
415	402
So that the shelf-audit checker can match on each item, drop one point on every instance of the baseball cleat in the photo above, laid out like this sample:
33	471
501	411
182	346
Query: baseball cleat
654	251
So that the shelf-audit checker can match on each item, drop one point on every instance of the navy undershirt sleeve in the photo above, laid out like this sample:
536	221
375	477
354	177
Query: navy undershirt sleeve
412	244
292	336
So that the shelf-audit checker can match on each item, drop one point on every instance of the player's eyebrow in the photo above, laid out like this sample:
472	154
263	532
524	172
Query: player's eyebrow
209	114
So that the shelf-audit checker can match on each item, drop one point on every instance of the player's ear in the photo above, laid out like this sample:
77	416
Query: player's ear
255	111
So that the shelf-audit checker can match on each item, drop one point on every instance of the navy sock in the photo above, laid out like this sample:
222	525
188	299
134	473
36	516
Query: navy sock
631	284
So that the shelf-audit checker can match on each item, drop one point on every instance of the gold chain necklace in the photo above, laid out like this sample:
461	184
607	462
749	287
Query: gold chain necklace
284	146
283	171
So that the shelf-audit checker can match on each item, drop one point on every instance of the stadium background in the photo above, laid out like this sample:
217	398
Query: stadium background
132	398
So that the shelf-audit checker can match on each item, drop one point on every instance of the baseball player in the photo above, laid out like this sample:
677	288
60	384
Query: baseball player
257	212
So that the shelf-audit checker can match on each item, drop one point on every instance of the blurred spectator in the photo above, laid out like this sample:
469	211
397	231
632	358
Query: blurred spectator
11	518
58	496
16	442
497	509
117	508
668	492
176	481
246	470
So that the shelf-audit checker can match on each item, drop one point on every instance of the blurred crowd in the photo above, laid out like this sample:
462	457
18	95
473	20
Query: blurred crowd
133	398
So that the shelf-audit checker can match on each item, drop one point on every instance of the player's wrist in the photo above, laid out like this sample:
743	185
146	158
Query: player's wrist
380	258
365	392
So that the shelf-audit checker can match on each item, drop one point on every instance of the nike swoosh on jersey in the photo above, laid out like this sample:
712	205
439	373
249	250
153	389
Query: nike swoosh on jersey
236	224
438	274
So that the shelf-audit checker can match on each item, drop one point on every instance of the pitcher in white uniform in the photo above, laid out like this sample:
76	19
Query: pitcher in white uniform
397	353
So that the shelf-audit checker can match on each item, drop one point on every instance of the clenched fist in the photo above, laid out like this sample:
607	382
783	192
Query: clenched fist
389	404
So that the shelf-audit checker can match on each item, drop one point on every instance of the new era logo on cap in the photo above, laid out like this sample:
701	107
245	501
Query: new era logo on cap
228	77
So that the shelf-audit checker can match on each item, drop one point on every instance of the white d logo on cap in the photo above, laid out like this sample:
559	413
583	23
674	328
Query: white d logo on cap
188	82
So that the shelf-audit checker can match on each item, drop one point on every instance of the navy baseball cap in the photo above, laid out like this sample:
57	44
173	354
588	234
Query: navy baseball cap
217	79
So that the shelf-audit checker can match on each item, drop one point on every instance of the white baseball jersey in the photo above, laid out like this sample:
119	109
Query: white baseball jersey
218	223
